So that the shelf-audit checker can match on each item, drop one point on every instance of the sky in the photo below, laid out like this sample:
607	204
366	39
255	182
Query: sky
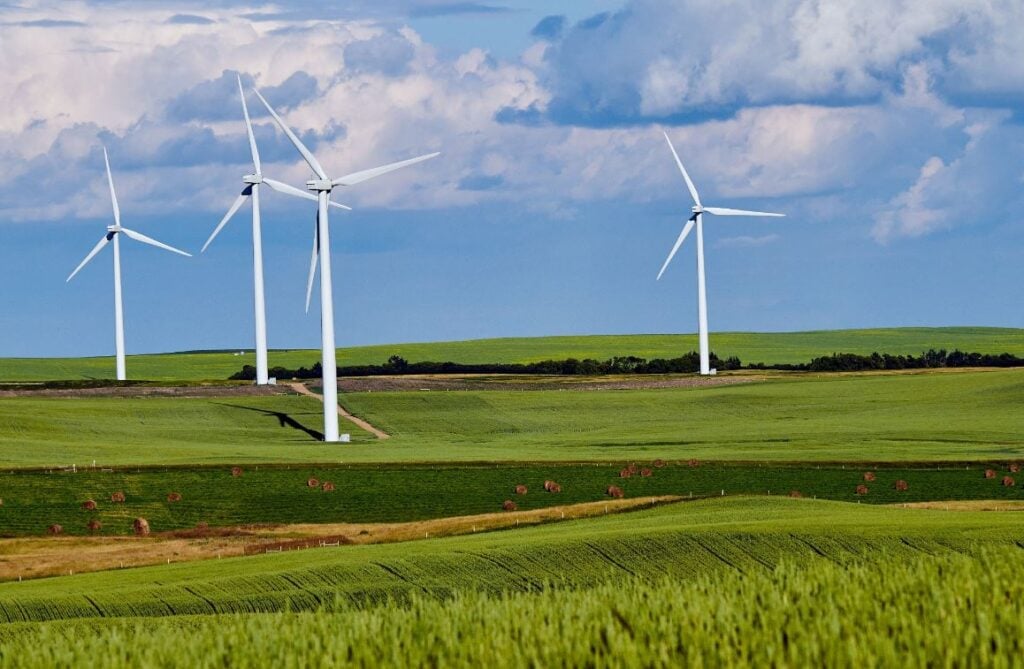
893	139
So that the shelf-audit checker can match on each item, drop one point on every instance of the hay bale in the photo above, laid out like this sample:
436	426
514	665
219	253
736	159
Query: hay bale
328	486
625	473
312	483
508	505
55	529
615	491
990	473
89	505
555	487
1009	482
117	497
869	476
645	472
633	469
659	463
795	494
693	463
141	527
236	471
862	489
901	486
547	485
174	497
94	526
1014	468
521	489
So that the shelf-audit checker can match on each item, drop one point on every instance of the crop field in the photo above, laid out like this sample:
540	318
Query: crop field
908	417
683	541
788	347
32	501
891	610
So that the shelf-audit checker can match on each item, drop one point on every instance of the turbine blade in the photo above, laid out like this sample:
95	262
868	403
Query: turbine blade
310	158
282	187
248	128
365	175
679	242
313	261
113	195
689	183
239	201
139	237
725	211
96	249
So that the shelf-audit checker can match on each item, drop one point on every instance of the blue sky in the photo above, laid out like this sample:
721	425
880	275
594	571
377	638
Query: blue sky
893	139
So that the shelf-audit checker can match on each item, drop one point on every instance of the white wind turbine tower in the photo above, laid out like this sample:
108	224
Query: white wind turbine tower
697	218
251	189
114	233
323	185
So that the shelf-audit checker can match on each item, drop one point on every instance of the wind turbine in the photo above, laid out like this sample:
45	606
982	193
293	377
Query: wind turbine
323	185
251	189
114	233
697	218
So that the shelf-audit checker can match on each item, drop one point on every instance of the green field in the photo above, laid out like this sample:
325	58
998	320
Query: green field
869	418
32	501
788	347
896	609
681	541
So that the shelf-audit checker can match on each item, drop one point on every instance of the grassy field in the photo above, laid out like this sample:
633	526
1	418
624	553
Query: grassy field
682	541
790	347
922	610
32	501
869	418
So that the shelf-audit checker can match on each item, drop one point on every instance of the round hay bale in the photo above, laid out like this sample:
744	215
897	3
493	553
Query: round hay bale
141	527
521	489
94	526
236	471
901	486
508	505
1009	482
862	489
89	505
547	485
990	473
869	476
625	473
174	497
55	529
312	483
615	491
633	469
645	472
693	463
117	497
555	487
1014	468
795	494
659	463
328	486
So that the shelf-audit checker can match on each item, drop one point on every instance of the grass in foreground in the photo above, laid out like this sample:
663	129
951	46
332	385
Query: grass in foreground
680	541
965	416
777	347
946	610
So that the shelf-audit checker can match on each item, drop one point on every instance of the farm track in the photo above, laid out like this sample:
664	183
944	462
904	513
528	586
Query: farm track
355	420
42	557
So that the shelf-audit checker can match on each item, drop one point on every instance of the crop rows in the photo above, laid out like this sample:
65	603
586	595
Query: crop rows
33	501
925	610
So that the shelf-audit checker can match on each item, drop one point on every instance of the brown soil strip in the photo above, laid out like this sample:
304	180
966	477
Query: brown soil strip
537	382
968	505
55	556
355	420
151	391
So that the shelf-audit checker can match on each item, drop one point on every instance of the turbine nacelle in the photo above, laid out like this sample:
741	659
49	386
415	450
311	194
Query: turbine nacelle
252	179
112	229
319	185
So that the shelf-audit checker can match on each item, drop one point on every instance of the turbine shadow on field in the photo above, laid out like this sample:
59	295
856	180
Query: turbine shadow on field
283	419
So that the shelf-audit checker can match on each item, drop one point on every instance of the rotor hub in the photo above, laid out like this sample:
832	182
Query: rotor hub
697	209
320	185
